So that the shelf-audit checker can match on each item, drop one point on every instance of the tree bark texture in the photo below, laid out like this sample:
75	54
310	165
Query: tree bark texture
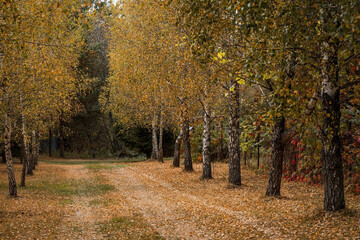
9	161
234	136
334	198
206	147
176	161
155	148
161	135
277	156
187	146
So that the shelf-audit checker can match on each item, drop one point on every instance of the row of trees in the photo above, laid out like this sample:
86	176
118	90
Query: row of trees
286	67
40	46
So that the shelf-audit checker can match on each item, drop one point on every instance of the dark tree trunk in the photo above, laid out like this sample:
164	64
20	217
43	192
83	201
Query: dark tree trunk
187	146
33	149
245	156
37	148
61	139
9	161
50	141
273	188
206	148
234	136
334	198
176	162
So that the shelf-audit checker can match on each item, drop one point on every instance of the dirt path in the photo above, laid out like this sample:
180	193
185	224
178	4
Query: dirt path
180	215
81	220
149	200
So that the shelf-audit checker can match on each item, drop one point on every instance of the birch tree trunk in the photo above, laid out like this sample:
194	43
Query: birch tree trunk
161	133
176	161
187	146
9	161
27	166
206	147
155	148
234	136
334	198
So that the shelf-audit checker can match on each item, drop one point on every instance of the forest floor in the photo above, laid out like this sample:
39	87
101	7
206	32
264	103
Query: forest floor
67	199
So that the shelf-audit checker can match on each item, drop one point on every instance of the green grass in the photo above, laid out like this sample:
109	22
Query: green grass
124	227
66	202
100	166
84	187
86	162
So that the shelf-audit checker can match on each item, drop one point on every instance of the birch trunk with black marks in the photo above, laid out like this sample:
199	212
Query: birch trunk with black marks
155	148
234	136
334	198
161	133
187	146
277	156
27	166
176	161
9	161
206	146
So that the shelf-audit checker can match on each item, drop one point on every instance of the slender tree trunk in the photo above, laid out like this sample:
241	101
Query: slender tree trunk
187	146
27	166
23	172
161	135
155	148
234	137
50	142
33	149
277	156
37	149
61	139
176	162
258	151
9	161
206	147
221	143
334	198
245	156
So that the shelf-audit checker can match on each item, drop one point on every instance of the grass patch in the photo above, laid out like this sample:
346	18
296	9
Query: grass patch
66	202
100	166
4	186
124	227
96	202
71	187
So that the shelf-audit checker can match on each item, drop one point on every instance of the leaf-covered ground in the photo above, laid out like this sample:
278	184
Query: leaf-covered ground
149	200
